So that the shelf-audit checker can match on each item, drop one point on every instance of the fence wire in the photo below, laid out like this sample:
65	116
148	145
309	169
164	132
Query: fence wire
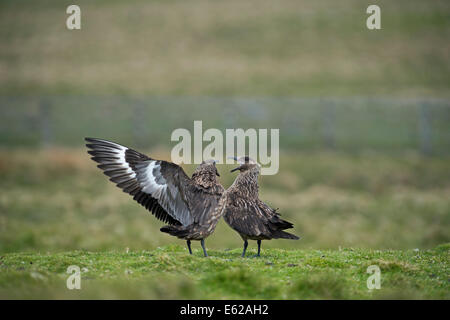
342	124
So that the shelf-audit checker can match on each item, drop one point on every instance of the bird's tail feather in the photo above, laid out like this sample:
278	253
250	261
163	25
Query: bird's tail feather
284	235
280	224
177	231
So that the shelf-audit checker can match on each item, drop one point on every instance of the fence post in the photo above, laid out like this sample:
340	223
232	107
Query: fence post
44	123
425	129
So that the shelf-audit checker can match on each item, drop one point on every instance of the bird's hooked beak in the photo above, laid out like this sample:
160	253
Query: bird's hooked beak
217	172
236	159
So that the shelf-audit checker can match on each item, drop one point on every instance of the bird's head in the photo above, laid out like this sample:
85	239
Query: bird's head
208	167
245	163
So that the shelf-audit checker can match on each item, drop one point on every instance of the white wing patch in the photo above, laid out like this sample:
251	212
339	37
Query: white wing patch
153	182
149	184
123	162
118	151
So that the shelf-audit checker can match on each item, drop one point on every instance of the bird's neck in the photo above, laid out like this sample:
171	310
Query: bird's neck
205	179
246	184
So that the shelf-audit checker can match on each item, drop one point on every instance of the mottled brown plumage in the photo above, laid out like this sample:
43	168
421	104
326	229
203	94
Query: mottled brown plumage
247	214
188	205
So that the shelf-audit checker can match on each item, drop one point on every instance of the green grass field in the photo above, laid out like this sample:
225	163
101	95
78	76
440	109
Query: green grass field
57	209
139	69
170	272
58	200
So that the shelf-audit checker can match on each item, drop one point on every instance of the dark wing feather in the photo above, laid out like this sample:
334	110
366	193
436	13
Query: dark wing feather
156	185
254	218
274	222
166	182
246	218
203	201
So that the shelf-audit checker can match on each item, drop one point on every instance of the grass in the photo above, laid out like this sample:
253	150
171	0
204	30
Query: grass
292	48
57	199
352	211
169	272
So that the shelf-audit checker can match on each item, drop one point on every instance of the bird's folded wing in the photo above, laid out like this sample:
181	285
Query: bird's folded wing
246	218
274	222
157	185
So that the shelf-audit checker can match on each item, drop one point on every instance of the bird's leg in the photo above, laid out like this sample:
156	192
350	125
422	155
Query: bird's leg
203	246
189	246
259	248
245	248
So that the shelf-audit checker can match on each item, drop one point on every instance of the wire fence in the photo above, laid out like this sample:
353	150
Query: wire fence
343	124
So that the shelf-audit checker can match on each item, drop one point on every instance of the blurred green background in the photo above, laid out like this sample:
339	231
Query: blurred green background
363	115
243	48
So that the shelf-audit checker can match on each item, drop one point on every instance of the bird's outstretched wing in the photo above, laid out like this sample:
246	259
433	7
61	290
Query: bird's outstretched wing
155	184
